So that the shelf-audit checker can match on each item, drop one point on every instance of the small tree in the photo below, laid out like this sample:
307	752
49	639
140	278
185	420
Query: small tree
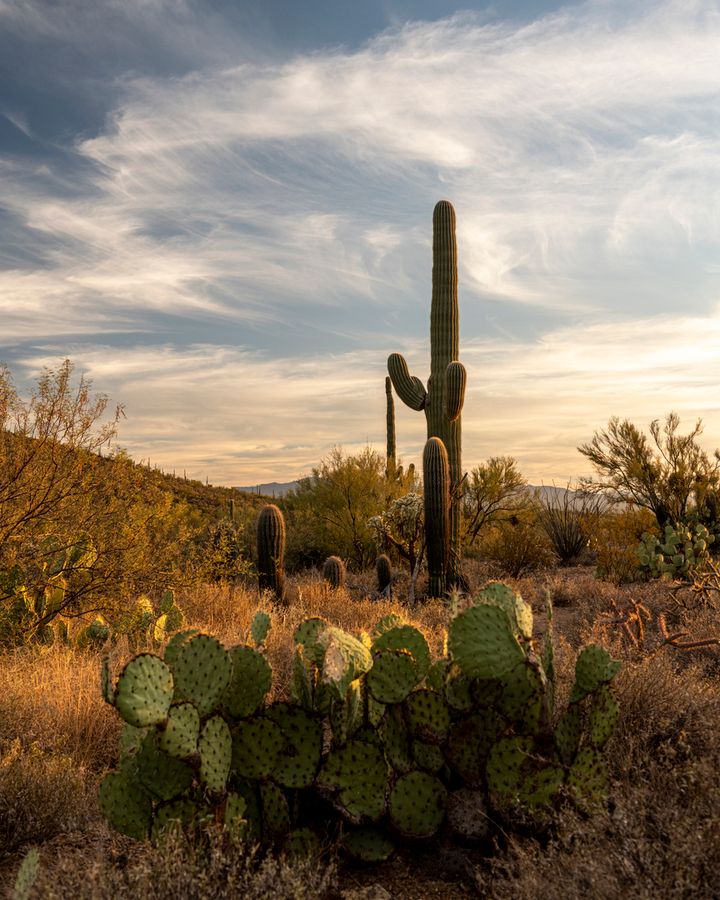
494	491
663	474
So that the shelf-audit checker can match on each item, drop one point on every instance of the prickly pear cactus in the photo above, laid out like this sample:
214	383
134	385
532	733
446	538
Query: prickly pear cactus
398	746
681	551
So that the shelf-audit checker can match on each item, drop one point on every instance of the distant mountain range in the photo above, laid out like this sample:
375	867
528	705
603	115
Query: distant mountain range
270	489
279	489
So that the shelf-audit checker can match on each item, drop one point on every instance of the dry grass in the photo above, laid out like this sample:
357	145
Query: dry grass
659	835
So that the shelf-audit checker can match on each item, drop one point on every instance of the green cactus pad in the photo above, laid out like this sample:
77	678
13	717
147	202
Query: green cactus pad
603	717
161	775
470	742
260	627
487	692
257	744
568	732
396	740
202	671
234	816
417	804
106	683
301	680
409	638
249	793
249	683
357	773
275	813
346	658
523	697
131	739
176	642
428	716
393	675
299	761
216	747
144	691
307	634
386	624
368	844
167	601
180	735
302	844
428	757
176	813
482	643
505	767
588	776
504	597
594	667
125	805
346	716
539	787
458	689
437	674
375	710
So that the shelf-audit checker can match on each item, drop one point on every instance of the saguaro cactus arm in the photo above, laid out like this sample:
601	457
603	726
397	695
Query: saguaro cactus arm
409	388
454	394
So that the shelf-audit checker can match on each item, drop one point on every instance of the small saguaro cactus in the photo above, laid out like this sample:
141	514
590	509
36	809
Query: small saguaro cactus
334	572
436	479
443	400
271	550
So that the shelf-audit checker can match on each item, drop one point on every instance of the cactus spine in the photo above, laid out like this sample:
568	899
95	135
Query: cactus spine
436	479
271	550
443	399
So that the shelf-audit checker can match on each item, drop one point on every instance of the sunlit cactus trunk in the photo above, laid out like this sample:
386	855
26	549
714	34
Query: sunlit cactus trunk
390	463
436	481
443	399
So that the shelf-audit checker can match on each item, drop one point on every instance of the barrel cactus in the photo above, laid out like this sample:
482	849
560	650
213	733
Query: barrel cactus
334	572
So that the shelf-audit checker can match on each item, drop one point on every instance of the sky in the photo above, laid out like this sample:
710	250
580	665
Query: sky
221	211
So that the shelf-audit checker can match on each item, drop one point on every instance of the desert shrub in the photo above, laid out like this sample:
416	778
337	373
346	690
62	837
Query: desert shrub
42	794
208	865
568	518
493	492
518	545
615	543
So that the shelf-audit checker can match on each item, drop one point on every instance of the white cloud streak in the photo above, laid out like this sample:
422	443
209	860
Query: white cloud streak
582	152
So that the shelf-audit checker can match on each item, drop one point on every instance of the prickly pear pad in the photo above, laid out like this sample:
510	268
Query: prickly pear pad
588	776
250	681
257	743
594	667
603	717
260	627
409	638
368	844
346	658
386	624
568	732
396	739
393	675
202	671
299	760
417	804
428	716
161	775
215	747
482	643
469	744
180	736
307	634
427	756
144	691
504	767
504	597
358	772
275	813
126	806
176	642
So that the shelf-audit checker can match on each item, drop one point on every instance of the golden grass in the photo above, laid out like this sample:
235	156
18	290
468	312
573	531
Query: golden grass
659	836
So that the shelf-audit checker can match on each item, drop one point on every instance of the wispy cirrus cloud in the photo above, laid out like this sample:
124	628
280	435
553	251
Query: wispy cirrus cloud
285	206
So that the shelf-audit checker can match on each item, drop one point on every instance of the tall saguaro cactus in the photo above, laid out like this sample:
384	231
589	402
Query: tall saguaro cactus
271	550
390	420
436	483
443	400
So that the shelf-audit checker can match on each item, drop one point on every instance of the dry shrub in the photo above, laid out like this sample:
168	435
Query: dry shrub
42	794
53	698
615	542
518	545
191	869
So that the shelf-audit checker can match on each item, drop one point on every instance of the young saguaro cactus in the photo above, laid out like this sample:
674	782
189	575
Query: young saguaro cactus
334	572
271	550
436	480
443	400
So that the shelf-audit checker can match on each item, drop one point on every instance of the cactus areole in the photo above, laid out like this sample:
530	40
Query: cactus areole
443	399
